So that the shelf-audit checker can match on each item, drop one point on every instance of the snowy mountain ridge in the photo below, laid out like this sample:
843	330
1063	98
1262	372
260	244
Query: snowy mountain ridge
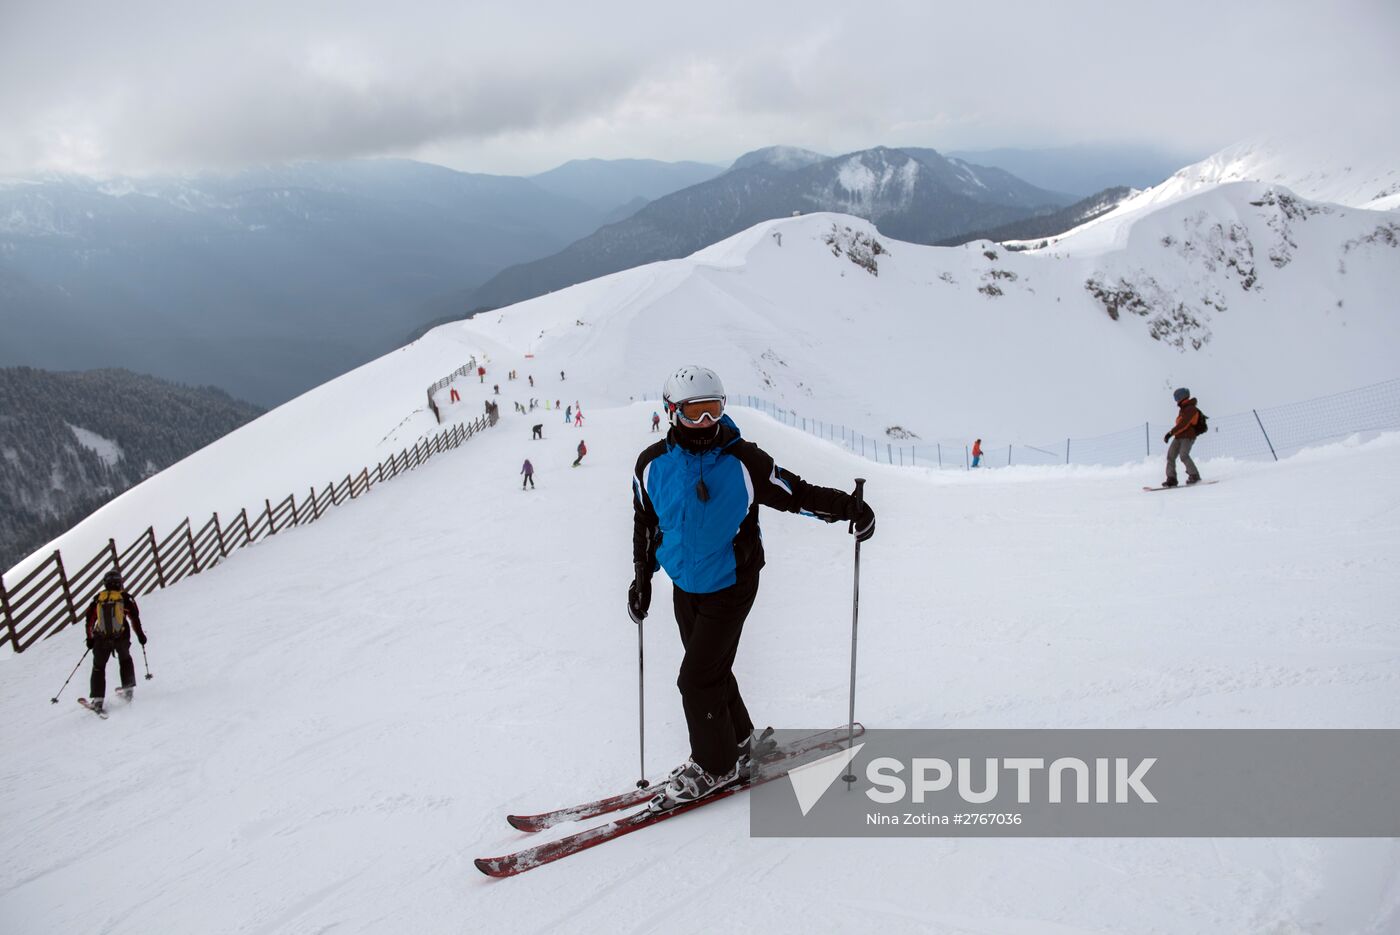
1370	181
808	313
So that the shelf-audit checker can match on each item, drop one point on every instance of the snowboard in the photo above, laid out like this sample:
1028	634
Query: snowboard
1201	483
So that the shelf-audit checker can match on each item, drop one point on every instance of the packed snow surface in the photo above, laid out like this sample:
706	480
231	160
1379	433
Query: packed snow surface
342	715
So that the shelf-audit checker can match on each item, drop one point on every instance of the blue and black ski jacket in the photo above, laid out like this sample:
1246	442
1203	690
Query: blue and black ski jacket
695	513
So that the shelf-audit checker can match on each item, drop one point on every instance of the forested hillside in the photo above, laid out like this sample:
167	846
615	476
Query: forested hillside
69	442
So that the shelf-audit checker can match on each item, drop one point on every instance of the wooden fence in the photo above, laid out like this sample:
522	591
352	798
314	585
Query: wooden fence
52	596
468	368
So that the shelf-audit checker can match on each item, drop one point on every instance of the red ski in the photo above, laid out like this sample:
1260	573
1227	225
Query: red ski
532	857
86	704
633	797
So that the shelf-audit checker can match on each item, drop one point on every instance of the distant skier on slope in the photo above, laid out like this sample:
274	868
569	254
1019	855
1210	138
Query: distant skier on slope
695	499
568	415
582	450
578	418
110	619
976	453
656	421
537	432
528	470
1190	424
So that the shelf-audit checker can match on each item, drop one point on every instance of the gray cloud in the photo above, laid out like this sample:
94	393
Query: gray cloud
98	86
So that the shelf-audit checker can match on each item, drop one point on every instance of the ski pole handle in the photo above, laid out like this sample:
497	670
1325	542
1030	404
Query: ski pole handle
859	494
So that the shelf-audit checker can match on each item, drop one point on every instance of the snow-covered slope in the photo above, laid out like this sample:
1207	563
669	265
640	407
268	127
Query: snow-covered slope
1231	291
1315	170
342	716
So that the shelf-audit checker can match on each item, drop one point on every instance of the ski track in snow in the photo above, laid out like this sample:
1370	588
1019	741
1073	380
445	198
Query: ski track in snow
342	715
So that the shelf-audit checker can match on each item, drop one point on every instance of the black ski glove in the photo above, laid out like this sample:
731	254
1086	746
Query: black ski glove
639	597
141	638
1167	438
864	522
89	642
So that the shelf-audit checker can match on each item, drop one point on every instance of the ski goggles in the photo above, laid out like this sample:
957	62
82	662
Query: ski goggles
697	411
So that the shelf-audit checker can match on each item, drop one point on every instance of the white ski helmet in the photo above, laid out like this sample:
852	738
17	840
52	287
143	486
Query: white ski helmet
690	382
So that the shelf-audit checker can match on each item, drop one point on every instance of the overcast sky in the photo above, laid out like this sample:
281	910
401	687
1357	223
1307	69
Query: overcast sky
519	87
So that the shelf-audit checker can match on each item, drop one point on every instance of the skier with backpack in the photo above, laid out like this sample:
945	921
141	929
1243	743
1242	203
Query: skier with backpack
1190	424
582	450
111	617
695	499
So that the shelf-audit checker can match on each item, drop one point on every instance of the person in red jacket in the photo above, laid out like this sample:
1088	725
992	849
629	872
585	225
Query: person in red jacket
582	450
1182	436
111	617
977	453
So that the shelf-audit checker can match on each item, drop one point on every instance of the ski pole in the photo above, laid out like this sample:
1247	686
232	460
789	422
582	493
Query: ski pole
54	699
146	662
850	776
641	713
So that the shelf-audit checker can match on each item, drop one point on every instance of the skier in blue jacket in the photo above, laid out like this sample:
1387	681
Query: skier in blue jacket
695	498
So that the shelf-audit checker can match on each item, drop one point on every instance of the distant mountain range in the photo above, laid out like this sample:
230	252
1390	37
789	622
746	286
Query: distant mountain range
1086	168
915	195
613	184
69	442
1053	224
270	281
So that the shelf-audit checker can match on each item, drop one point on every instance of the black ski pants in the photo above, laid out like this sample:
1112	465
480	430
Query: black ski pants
102	650
715	715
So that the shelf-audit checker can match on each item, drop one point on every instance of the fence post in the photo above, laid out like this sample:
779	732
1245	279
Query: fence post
296	517
940	455
1147	437
315	508
155	554
67	593
1008	456
889	453
247	530
271	526
9	619
1066	451
189	540
219	532
967	463
1266	434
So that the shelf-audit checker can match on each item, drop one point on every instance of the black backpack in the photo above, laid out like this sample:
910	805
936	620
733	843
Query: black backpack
1201	426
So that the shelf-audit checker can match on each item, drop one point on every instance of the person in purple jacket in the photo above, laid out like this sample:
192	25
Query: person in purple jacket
528	470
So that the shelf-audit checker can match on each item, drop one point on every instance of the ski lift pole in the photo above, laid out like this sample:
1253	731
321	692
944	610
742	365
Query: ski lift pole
850	776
